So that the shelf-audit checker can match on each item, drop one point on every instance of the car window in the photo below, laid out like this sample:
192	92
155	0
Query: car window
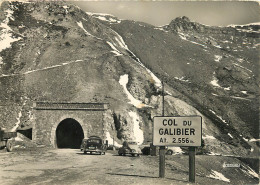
94	141
132	143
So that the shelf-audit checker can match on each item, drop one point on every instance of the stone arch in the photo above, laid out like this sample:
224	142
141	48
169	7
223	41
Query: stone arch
63	120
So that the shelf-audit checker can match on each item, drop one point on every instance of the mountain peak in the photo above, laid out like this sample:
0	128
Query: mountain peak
182	19
183	23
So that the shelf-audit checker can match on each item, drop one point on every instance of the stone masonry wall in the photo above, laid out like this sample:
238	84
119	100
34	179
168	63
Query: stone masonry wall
46	122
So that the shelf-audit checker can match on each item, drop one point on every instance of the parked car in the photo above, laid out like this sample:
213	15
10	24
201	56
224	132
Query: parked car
7	139
130	147
94	144
173	150
84	141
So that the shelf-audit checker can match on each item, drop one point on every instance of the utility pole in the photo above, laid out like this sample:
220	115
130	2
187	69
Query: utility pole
162	98
162	148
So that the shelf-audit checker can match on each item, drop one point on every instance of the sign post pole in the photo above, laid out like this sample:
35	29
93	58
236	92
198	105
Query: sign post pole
162	148
192	151
162	98
162	162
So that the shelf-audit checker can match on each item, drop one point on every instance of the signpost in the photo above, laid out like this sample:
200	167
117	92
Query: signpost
162	148
178	131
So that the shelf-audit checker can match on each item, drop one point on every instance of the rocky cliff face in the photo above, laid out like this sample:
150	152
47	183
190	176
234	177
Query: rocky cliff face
184	24
57	52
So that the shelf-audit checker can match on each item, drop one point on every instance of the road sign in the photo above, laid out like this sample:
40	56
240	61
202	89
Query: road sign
177	131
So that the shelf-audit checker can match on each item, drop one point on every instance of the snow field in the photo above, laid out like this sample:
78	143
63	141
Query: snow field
138	133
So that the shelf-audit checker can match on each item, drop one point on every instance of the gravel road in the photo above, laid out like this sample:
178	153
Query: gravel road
70	166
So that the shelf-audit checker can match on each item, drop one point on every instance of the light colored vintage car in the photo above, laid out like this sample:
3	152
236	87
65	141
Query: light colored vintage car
130	147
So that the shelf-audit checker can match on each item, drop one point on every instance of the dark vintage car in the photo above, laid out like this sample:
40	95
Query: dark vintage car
93	144
7	139
130	147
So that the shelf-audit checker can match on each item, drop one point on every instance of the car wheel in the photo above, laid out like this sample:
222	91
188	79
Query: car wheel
169	152
9	146
85	152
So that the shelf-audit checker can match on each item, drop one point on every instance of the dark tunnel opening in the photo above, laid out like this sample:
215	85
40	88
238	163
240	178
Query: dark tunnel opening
69	134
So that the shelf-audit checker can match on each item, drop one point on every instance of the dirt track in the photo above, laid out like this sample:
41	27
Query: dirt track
70	166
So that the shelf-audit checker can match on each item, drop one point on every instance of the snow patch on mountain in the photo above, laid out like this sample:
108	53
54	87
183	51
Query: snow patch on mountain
17	124
214	154
115	51
249	171
204	46
208	137
66	8
105	17
122	44
138	132
216	175
240	98
227	88
137	103
111	140
108	19
214	82
241	60
185	36
218	116
161	29
217	58
1	61
182	79
6	36
251	140
81	26
250	24
243	67
158	83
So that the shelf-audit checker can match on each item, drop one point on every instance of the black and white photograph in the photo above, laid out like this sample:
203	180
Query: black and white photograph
143	92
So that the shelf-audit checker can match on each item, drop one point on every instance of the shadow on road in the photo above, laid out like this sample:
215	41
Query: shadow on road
82	153
126	156
120	174
129	175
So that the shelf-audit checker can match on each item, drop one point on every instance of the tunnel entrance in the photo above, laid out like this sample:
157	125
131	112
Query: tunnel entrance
69	134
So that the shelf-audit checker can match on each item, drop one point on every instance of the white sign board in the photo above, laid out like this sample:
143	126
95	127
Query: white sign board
177	131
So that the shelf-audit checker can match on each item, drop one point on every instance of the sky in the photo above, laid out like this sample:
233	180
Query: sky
158	13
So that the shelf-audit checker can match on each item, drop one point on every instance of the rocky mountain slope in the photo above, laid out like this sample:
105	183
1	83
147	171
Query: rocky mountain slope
56	52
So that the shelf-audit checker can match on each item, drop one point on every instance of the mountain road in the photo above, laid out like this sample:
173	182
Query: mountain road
71	166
